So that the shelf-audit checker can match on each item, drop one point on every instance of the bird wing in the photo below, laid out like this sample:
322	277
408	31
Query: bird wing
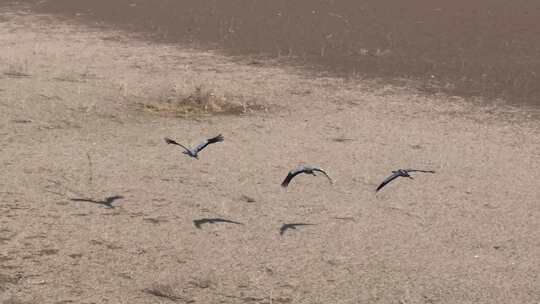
291	175
107	203
212	140
292	226
170	141
416	170
111	199
89	200
387	180
301	224
218	220
198	223
284	227
323	172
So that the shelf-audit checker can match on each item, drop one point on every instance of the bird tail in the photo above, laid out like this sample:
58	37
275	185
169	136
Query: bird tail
284	184
216	139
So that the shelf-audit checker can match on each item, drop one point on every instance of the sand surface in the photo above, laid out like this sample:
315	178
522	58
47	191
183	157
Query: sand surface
83	114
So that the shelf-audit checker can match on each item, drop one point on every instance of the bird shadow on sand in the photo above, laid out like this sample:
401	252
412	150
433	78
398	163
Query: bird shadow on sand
107	202
199	222
292	226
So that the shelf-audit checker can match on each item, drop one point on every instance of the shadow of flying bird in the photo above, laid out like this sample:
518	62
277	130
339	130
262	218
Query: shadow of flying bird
194	152
107	202
198	223
400	173
292	226
303	169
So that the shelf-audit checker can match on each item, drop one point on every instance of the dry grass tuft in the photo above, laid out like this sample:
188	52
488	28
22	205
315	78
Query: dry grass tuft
201	101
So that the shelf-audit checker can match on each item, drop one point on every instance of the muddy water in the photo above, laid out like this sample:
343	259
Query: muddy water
478	47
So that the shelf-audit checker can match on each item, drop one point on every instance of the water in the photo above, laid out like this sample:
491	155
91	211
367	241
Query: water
483	47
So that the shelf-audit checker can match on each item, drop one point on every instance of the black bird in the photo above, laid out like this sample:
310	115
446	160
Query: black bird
198	223
402	173
292	226
194	152
107	202
303	169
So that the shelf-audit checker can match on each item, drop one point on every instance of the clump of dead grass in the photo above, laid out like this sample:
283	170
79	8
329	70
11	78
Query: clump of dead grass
201	101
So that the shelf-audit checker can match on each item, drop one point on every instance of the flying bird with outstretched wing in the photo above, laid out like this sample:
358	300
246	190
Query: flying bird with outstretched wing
303	169
400	173
194	152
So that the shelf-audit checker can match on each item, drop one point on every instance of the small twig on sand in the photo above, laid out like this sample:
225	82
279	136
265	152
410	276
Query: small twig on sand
90	171
16	74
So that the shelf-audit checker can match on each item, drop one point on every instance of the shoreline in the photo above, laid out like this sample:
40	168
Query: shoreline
467	49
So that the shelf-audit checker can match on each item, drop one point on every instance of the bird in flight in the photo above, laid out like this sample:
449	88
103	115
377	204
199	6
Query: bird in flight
194	152
198	223
107	202
303	169
292	226
402	173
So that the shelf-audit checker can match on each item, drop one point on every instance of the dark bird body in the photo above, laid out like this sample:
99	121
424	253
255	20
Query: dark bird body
194	152
107	202
400	173
198	223
292	226
302	169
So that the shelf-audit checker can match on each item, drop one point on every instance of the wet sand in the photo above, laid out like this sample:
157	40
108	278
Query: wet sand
483	47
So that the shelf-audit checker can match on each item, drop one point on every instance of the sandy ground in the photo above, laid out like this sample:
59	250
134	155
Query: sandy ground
83	116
